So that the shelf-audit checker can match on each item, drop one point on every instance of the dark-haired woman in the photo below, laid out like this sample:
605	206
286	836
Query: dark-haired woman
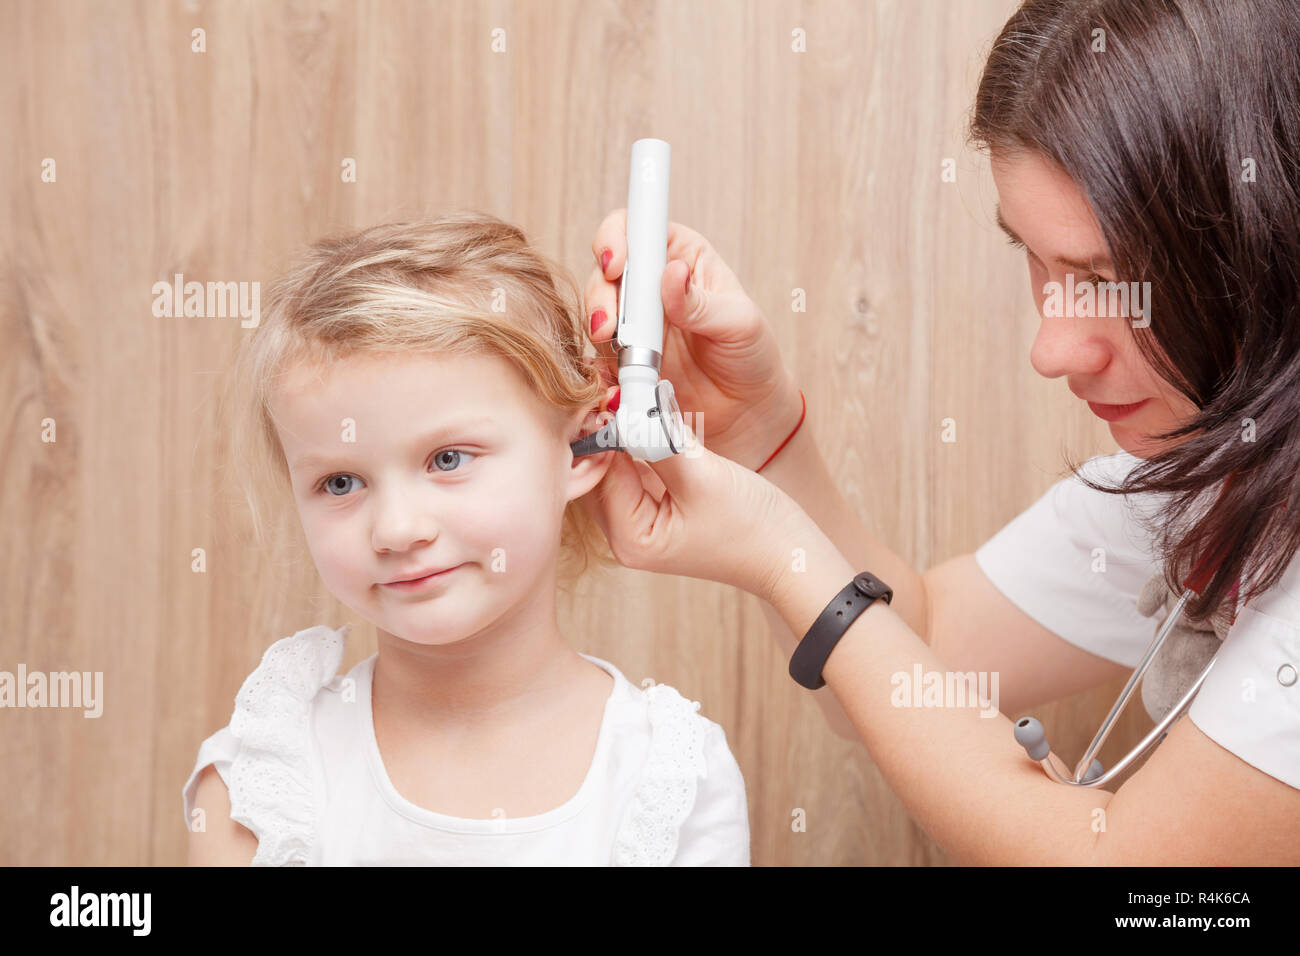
1151	148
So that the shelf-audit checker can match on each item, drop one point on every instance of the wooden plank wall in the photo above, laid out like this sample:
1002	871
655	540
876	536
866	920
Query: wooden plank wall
817	170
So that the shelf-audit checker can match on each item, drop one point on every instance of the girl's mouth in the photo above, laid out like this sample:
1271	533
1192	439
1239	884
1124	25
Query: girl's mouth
417	584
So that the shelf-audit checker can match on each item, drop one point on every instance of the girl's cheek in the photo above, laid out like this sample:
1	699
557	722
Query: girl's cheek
505	523
333	552
514	517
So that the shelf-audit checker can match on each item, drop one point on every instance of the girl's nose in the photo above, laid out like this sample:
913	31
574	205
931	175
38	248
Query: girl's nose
402	521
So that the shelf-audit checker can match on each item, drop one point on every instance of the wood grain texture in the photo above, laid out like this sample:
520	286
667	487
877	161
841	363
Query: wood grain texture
816	170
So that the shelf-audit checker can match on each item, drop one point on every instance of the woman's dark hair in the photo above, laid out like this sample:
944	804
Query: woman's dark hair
1184	135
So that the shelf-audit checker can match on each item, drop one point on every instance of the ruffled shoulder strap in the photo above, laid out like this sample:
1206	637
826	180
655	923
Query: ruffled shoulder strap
664	798
271	789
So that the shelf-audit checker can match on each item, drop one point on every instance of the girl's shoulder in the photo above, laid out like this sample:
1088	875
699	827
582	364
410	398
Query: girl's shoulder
264	755
658	711
688	799
302	663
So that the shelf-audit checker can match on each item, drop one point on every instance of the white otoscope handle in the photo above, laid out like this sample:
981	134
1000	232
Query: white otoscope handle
640	335
640	308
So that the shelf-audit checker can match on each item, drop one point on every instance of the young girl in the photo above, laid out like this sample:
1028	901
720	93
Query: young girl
414	388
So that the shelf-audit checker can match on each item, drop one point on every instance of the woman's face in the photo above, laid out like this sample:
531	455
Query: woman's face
411	464
1041	206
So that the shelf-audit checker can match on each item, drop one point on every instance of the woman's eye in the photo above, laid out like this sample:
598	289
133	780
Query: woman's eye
1089	277
1092	278
449	459
336	484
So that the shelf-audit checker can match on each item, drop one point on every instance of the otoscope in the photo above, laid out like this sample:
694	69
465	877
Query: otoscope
648	423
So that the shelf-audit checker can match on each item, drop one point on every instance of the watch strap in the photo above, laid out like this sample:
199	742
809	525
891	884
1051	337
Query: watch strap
810	656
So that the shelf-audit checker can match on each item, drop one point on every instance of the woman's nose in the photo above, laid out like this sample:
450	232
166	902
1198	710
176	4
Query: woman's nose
1070	345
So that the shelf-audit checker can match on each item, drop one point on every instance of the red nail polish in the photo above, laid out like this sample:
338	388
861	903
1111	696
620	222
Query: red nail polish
605	256
613	402
597	320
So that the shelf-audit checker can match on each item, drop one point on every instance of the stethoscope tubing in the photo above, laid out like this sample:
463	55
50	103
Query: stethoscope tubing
1029	732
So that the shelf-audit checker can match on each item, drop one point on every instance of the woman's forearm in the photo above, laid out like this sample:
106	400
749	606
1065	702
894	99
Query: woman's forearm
953	762
801	472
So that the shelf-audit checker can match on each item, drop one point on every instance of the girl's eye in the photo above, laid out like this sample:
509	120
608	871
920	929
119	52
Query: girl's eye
1011	240
334	484
449	458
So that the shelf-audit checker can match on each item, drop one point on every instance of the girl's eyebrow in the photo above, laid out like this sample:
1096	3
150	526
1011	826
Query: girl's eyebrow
441	433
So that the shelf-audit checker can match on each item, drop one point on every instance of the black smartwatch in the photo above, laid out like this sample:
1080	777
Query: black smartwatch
811	654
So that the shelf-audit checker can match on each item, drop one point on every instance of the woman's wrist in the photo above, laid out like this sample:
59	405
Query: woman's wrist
800	470
783	415
785	551
812	572
803	410
752	438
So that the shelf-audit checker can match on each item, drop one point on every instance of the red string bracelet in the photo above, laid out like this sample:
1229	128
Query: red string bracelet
802	413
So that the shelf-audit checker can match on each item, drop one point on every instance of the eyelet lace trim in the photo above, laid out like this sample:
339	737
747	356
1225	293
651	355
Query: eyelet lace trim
271	776
649	832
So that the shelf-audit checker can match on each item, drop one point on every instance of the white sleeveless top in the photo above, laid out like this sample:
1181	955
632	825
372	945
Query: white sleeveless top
305	775
1045	561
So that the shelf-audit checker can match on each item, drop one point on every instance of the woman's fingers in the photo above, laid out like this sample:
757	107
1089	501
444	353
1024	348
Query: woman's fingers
694	514
608	398
687	305
624	509
611	234
601	297
650	481
601	292
686	247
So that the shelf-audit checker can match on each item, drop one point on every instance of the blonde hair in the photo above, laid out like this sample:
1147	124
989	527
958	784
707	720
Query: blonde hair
422	285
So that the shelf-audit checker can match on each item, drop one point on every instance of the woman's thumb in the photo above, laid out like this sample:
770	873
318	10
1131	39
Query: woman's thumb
618	497
687	470
686	303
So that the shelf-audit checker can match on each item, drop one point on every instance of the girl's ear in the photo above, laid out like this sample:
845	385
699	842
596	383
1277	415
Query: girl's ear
585	473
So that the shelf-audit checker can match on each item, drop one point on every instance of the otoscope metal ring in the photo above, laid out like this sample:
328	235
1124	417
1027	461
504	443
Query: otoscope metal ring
638	355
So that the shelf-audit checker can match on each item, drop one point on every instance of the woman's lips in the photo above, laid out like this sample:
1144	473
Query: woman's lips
419	583
1113	413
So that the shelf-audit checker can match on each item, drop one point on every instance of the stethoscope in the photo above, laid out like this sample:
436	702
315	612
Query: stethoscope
1088	772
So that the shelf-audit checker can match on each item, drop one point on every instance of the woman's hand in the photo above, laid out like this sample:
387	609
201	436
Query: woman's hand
701	515
719	352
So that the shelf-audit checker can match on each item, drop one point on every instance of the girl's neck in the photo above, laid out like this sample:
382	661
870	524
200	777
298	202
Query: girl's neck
505	672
